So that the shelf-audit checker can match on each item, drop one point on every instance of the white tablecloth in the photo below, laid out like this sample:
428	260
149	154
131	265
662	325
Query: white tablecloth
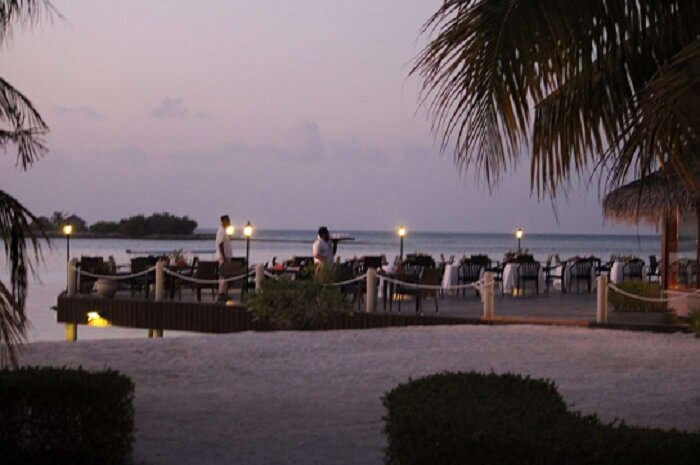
510	278
616	275
449	279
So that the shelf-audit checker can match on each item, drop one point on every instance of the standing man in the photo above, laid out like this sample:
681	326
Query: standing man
322	250
223	255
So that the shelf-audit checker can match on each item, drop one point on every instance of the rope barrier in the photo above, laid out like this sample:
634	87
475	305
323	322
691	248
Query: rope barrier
271	275
652	299
204	281
113	277
476	284
350	281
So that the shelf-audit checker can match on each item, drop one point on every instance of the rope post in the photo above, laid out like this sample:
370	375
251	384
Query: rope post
160	281
159	293
487	296
259	276
71	279
371	302
601	314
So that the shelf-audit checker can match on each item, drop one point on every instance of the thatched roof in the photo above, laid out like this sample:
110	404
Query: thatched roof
649	200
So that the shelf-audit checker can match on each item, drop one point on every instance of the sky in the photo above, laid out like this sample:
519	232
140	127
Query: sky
287	114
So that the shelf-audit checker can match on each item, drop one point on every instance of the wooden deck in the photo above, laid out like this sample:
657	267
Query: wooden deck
211	317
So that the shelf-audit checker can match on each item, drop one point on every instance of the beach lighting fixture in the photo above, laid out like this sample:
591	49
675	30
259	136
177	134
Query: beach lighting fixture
95	319
247	233
67	231
519	235
402	233
230	229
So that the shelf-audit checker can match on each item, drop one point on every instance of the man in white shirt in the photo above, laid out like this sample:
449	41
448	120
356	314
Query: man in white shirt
224	253
322	250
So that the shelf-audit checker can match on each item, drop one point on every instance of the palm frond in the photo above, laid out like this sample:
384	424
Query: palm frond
24	125
559	76
22	13
23	248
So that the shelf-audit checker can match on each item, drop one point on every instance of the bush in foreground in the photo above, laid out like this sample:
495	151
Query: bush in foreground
295	304
472	418
622	303
694	322
65	416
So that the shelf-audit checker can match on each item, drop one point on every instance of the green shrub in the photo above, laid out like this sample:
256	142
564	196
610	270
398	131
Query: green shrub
295	304
694	322
65	416
622	303
472	418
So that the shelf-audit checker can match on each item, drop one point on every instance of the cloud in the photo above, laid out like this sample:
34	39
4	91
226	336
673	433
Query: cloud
171	108
87	112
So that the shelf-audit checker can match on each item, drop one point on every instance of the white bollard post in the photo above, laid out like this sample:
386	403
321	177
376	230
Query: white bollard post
259	276
487	296
371	302
159	293
71	281
601	314
160	281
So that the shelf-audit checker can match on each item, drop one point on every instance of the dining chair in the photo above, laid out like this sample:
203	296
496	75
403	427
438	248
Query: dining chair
529	271
634	269
468	272
581	271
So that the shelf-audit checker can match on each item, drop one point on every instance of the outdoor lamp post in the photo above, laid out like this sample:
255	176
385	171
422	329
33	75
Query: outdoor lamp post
402	233
247	232
230	230
67	231
519	234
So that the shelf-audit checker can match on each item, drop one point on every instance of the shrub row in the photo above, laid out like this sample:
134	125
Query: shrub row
65	416
622	303
472	418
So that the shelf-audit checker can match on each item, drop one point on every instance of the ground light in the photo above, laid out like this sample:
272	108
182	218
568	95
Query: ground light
67	231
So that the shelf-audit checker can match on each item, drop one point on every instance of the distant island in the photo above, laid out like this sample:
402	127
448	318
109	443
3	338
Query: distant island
158	225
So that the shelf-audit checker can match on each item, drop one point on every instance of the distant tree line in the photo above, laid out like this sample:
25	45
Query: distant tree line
134	226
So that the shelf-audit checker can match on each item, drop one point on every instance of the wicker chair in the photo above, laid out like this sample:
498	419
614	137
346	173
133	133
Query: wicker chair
138	265
469	272
529	271
94	265
581	270
654	269
634	269
429	277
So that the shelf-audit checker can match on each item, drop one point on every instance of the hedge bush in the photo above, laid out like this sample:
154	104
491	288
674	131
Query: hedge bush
65	416
472	418
295	304
622	303
694	322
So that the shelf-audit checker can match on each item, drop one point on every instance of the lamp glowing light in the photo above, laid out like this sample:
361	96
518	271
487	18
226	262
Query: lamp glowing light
68	230
248	229
519	235
402	233
230	230
94	319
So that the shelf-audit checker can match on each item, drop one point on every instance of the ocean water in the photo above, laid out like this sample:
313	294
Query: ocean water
51	273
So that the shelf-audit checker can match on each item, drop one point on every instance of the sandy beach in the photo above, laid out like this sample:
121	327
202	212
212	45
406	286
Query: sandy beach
314	397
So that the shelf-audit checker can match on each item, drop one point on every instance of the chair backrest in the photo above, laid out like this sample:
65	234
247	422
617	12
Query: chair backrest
92	264
207	270
653	264
582	268
529	270
139	264
469	272
372	262
431	277
482	260
633	268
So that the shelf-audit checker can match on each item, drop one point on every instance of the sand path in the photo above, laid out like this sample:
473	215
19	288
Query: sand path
314	397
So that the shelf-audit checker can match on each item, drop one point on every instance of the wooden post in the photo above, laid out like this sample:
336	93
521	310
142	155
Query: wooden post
371	302
487	296
71	332
71	280
601	314
159	293
259	276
